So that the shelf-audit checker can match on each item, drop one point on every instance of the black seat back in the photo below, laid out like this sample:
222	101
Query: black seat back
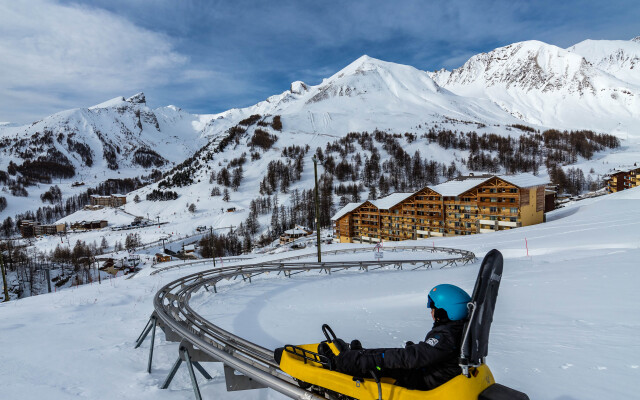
475	341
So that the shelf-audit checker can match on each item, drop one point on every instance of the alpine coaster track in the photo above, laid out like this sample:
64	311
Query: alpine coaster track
248	365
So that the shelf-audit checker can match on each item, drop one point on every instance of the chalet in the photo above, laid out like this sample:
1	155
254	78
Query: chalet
292	234
162	257
190	248
462	206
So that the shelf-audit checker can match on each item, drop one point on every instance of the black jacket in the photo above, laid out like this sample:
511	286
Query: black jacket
423	366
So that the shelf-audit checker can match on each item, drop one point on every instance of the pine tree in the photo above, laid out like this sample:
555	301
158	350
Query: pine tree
373	192
226	196
275	222
252	225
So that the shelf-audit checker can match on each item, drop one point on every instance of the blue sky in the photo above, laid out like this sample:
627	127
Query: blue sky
209	56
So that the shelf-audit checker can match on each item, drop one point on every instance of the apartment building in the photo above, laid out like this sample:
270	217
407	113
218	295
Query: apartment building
29	228
622	179
462	206
114	200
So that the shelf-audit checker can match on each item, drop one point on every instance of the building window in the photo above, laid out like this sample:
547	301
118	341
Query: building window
514	210
493	209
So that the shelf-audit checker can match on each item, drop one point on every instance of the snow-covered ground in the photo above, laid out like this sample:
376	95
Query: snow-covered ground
566	322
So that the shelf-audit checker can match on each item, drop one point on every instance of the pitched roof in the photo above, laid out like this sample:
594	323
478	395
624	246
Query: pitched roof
295	231
345	210
458	186
391	200
524	180
455	187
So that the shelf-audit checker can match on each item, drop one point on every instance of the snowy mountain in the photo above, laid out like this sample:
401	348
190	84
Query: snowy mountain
547	85
592	85
119	133
119	138
620	58
365	95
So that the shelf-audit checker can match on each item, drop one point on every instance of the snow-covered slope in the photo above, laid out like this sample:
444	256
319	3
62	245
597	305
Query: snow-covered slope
547	85
115	133
365	95
119	138
589	86
565	327
620	58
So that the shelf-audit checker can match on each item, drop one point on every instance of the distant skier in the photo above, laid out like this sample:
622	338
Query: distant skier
421	366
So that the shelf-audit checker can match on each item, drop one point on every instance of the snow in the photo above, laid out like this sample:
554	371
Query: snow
345	210
546	85
524	180
620	58
366	95
116	101
295	232
391	200
455	187
566	321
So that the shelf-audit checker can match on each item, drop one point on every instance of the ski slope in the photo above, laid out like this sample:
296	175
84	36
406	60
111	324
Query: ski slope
566	322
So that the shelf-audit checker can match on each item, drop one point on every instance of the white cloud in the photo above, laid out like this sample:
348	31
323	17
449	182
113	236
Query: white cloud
65	54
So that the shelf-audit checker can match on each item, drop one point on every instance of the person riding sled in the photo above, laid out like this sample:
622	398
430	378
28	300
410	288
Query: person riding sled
420	366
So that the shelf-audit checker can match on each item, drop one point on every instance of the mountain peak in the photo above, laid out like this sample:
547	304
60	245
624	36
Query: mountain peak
361	64
365	60
298	87
636	39
137	98
109	103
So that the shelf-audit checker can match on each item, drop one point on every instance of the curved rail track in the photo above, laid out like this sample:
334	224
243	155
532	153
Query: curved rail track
248	365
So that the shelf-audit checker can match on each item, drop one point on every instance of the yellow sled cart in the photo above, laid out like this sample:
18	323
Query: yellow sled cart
310	369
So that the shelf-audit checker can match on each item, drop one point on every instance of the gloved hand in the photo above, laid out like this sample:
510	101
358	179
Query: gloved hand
325	350
409	343
356	362
355	345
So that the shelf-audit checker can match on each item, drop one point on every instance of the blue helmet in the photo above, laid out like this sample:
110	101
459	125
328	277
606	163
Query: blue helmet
450	298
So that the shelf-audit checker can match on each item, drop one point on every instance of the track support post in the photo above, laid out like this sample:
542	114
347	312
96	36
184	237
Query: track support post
153	339
150	327
185	356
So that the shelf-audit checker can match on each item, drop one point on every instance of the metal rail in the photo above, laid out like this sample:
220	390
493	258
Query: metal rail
208	342
394	249
199	262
